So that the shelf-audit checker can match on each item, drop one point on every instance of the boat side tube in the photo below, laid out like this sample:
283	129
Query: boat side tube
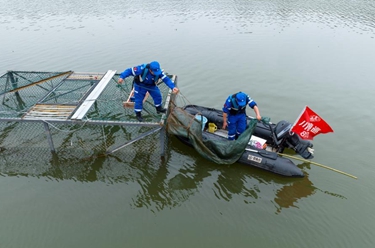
270	161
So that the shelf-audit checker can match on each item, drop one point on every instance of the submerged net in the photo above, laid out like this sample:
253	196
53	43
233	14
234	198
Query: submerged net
219	150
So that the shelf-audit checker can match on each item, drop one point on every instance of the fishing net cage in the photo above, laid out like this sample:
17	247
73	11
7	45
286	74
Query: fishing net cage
107	125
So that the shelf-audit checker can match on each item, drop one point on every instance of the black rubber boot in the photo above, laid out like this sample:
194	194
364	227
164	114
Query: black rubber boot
139	116
160	109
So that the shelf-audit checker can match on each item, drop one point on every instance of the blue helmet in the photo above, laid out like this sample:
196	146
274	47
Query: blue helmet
155	68
241	99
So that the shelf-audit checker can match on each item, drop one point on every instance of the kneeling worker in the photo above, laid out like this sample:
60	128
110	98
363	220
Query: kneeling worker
145	78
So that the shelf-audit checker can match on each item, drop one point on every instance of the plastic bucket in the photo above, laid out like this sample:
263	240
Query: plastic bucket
203	119
212	127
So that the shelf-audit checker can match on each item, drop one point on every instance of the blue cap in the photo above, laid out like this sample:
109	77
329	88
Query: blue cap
241	99
155	68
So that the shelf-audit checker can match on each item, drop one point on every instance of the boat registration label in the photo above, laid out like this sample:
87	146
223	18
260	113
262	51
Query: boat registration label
255	159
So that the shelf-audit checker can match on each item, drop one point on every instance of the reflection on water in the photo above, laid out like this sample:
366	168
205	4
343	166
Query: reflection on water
161	183
289	194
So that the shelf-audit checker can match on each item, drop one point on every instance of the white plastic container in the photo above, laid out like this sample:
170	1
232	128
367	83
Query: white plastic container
203	119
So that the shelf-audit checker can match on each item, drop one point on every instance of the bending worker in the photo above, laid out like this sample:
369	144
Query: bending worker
234	116
145	78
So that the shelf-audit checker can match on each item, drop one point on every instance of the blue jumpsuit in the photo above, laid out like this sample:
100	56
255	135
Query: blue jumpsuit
236	118
146	83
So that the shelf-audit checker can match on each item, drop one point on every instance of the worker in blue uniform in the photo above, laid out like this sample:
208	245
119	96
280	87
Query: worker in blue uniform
234	116
145	78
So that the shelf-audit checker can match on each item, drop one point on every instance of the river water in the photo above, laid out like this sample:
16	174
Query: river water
284	54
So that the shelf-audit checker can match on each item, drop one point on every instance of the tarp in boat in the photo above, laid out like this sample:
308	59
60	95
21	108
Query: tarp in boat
220	151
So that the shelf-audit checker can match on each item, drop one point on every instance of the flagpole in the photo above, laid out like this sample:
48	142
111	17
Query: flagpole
303	110
321	165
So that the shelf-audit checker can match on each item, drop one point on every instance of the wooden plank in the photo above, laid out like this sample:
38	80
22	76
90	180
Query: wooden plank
85	76
129	103
89	101
43	111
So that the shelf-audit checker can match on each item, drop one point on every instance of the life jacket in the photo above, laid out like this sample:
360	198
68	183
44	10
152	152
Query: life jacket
141	77
235	108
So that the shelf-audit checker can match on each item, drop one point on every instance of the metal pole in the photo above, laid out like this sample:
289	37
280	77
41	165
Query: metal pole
133	140
13	82
49	137
162	141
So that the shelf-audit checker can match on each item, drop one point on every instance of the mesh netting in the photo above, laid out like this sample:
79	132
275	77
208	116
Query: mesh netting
77	140
217	149
21	91
25	144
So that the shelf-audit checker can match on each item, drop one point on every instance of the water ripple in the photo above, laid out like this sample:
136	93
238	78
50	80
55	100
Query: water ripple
237	15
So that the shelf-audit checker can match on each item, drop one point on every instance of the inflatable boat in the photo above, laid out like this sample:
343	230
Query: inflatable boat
266	145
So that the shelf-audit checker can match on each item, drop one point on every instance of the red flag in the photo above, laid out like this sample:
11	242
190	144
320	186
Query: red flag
309	124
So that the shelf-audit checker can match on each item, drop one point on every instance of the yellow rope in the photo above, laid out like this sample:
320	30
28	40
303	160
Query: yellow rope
324	166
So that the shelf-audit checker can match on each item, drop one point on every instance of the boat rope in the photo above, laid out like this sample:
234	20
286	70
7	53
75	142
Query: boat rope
321	165
184	99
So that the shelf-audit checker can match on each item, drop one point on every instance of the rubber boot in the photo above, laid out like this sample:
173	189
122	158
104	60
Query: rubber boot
138	115
160	109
